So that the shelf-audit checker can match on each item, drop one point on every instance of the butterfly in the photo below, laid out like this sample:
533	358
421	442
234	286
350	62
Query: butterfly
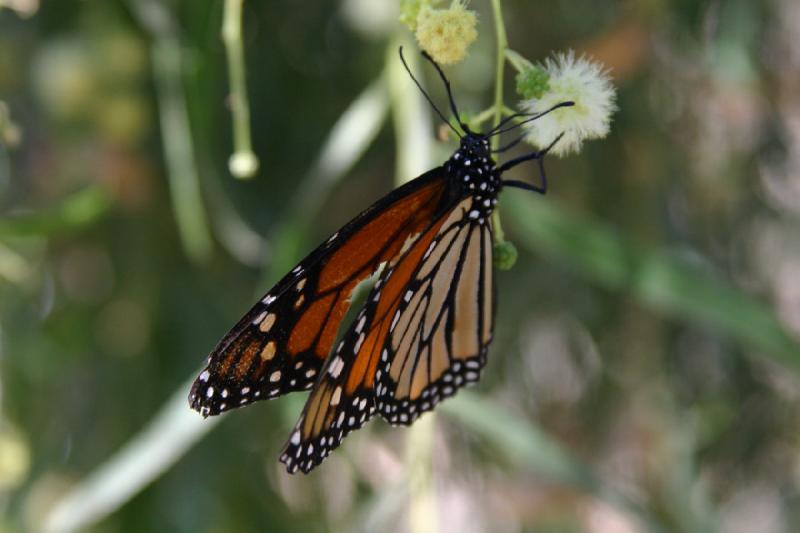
424	329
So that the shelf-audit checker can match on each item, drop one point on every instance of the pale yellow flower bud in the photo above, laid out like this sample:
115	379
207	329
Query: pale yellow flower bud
446	33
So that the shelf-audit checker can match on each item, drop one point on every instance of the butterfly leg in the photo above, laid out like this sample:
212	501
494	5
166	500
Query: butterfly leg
538	156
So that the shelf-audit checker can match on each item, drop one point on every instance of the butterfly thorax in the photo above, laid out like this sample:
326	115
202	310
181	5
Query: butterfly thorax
475	172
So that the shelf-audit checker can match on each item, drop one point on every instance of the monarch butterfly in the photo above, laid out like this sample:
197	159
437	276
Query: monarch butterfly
424	330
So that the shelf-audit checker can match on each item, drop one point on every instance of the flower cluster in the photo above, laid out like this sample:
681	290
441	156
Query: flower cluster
533	82
565	78
445	33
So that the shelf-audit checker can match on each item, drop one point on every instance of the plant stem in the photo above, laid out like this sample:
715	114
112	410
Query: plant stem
502	44
500	58
517	61
240	106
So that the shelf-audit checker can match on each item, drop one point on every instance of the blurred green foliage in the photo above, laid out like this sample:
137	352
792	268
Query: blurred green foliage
644	371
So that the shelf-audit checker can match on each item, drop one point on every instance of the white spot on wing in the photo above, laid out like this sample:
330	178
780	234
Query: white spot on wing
359	342
257	320
336	367
336	396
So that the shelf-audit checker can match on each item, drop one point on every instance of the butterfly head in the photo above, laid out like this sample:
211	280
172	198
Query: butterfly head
473	153
475	145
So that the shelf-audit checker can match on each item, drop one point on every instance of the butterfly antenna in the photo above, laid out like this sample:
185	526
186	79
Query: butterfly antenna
506	121
428	98
446	82
497	131
508	147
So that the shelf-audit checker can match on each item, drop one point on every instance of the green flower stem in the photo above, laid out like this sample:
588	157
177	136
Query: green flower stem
519	63
499	106
243	163
502	45
486	114
482	117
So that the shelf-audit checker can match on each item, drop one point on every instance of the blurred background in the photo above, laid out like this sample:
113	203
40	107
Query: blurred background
644	373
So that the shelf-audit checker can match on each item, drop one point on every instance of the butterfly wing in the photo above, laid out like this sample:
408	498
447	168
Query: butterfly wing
280	345
344	397
442	327
338	404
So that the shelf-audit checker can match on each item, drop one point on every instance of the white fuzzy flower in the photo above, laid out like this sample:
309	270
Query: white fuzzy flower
582	81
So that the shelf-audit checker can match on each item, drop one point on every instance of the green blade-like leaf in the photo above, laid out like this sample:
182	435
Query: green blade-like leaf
76	211
666	282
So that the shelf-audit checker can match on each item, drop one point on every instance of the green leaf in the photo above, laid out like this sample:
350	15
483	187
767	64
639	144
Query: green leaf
75	212
658	279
